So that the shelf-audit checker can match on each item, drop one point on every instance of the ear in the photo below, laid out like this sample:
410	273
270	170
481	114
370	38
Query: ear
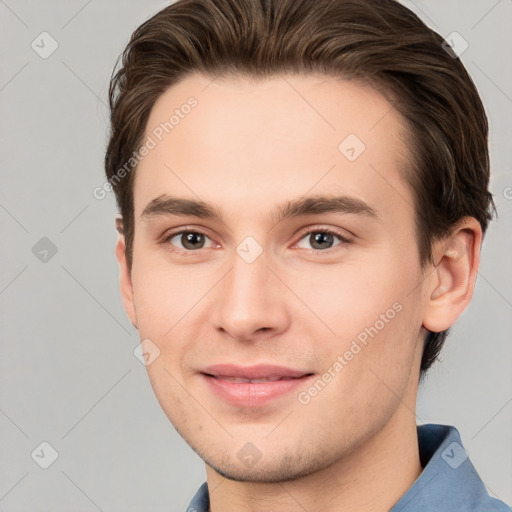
450	285
125	278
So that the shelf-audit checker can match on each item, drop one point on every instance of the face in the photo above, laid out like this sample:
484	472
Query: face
276	276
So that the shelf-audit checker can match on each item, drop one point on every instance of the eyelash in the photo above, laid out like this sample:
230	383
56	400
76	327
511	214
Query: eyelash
318	229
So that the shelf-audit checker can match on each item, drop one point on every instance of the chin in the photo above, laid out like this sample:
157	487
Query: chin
263	475
282	468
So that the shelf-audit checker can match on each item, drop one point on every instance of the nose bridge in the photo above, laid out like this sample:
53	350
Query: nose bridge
247	285
249	300
246	280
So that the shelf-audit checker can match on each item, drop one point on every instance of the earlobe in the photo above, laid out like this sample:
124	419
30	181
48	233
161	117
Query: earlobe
125	279
450	285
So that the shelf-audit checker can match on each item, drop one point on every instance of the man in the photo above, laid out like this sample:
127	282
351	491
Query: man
303	189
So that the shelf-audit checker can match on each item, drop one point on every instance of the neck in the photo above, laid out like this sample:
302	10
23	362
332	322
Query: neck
371	478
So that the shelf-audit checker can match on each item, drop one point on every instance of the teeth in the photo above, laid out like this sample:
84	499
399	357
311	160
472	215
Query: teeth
243	380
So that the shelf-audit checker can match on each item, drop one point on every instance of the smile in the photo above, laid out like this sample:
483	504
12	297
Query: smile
242	379
254	386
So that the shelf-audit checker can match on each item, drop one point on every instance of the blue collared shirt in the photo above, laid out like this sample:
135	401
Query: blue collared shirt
448	482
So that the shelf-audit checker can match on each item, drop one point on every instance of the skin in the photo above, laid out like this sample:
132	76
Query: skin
246	148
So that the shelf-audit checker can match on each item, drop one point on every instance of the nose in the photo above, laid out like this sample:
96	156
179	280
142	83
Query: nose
250	302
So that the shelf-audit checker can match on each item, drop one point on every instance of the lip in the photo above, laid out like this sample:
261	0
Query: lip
236	384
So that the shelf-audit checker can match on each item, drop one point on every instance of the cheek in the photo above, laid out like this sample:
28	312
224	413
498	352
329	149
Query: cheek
376	319
381	379
348	298
169	391
371	376
163	295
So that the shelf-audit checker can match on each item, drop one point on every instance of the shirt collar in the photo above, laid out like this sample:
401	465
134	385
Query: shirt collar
449	481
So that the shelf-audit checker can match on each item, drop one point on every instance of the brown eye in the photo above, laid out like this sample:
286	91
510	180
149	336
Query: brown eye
192	240
188	240
321	240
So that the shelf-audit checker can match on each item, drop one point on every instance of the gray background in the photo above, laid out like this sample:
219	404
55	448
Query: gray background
68	373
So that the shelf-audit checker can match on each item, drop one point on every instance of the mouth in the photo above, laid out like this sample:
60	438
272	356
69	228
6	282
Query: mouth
267	372
253	381
253	386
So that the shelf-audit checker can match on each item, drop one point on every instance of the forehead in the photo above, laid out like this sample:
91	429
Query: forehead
250	144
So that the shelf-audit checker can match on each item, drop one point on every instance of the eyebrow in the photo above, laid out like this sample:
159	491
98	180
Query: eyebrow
311	205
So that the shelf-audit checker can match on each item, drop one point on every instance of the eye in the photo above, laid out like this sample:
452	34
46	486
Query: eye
319	239
322	239
188	240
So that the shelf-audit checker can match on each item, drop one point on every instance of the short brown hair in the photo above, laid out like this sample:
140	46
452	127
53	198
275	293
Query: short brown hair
379	42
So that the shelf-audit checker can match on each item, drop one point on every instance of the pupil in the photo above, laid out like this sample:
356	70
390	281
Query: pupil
192	240
321	240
